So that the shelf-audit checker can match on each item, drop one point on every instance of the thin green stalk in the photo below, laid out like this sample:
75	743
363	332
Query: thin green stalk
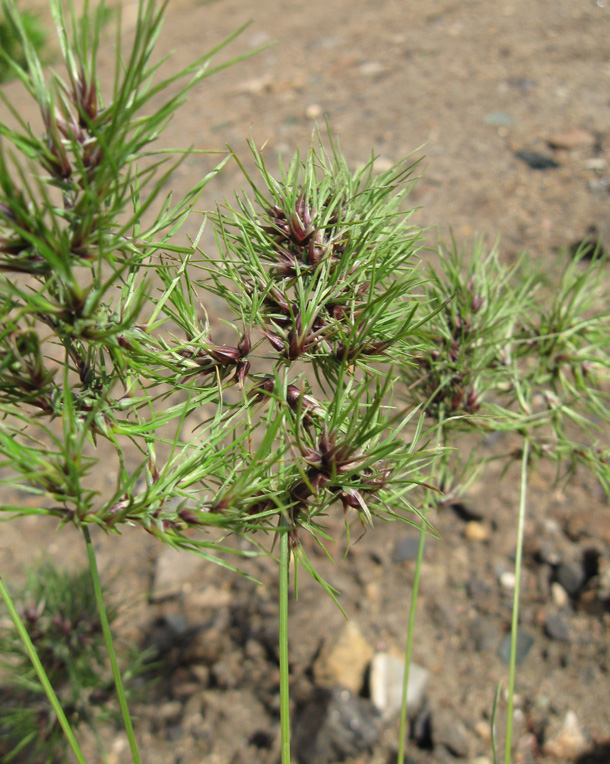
494	712
42	676
402	733
97	587
515	621
283	646
409	644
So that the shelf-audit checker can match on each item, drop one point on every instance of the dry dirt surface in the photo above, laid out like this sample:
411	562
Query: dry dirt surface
508	103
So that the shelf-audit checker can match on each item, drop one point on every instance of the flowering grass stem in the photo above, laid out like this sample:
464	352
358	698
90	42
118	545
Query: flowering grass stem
116	672
41	673
283	644
515	619
402	734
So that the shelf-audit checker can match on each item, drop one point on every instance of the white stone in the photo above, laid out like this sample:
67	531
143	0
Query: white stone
559	594
371	68
508	580
386	680
569	743
314	111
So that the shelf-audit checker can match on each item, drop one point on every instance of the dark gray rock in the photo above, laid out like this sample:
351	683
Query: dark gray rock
556	628
420	730
548	553
536	161
525	642
334	725
522	84
571	576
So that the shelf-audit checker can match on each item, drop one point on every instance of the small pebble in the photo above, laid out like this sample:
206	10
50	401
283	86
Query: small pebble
571	139
568	743
476	531
372	592
571	576
314	111
549	554
525	643
536	161
508	580
595	163
522	84
556	628
559	594
371	68
483	730
551	526
499	118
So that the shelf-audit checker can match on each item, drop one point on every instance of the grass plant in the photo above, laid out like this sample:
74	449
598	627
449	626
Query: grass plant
507	360
351	361
55	660
10	41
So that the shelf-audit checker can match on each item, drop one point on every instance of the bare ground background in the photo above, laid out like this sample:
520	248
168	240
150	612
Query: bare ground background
473	83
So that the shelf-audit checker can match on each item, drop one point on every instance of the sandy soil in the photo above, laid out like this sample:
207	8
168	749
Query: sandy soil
465	85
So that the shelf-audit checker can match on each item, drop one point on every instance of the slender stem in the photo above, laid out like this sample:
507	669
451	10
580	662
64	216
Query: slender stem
283	646
494	712
402	734
515	622
97	587
42	675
